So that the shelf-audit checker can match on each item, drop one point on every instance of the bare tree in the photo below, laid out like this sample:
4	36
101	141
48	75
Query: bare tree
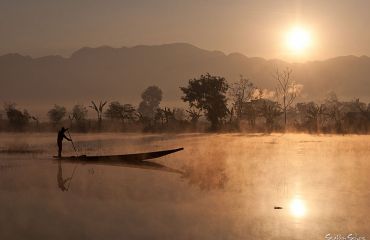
99	110
286	90
241	92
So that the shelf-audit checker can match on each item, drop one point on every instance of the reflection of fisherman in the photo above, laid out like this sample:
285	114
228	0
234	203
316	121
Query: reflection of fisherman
61	135
62	182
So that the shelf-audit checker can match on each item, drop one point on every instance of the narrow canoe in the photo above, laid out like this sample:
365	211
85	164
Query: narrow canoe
135	157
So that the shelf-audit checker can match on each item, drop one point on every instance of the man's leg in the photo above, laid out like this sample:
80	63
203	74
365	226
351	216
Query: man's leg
60	149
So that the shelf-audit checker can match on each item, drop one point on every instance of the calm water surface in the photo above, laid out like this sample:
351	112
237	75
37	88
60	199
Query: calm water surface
224	186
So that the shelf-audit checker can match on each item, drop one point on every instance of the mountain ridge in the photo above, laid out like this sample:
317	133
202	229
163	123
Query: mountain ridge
123	73
106	47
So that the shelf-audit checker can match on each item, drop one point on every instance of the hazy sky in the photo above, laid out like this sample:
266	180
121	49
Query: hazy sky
254	28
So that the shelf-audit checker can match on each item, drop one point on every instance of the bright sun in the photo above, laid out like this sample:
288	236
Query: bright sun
298	40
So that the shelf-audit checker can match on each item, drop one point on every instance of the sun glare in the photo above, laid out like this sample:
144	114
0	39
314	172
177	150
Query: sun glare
298	40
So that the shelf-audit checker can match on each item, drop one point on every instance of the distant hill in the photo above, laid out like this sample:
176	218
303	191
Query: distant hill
123	73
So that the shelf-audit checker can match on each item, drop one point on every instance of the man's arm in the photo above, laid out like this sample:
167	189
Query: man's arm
67	137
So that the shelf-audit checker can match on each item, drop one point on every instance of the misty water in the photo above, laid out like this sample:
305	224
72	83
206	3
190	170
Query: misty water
223	186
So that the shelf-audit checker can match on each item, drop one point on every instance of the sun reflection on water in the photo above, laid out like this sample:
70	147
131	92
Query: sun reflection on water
297	207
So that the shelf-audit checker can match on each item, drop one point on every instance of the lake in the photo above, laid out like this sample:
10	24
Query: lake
221	186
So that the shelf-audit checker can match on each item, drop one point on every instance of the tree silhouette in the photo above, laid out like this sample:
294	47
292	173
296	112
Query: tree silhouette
241	92
79	114
160	116
17	119
115	111
129	113
334	112
250	112
270	110
99	110
208	94
194	115
151	98
286	90
365	111
165	115
314	115
56	114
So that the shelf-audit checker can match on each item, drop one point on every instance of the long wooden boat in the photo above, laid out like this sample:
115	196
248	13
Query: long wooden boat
135	157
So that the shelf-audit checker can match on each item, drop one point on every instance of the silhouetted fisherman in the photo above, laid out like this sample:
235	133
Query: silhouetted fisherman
61	136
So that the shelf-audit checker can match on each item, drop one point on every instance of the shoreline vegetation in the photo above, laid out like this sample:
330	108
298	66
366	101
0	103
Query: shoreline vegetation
214	105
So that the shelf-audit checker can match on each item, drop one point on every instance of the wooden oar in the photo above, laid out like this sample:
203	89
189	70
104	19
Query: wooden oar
69	134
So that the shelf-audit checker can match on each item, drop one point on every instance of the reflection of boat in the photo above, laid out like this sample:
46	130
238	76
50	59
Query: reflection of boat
135	164
135	157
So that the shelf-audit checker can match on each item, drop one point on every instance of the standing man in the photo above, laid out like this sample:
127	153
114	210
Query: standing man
61	135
